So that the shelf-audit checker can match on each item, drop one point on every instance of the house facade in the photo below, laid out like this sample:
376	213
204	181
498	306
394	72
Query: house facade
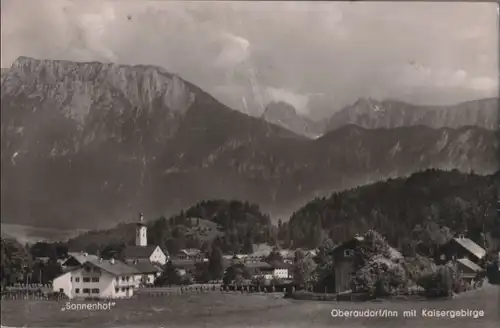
268	271
461	248
97	279
343	257
147	272
191	254
468	269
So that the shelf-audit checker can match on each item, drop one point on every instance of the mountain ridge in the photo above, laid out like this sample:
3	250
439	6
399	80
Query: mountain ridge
84	146
371	113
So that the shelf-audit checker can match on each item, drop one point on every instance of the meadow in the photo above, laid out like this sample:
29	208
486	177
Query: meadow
216	309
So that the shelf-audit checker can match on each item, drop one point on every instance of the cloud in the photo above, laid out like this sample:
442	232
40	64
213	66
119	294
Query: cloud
484	84
339	49
235	50
298	101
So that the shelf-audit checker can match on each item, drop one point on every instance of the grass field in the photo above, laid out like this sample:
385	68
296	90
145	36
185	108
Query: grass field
246	310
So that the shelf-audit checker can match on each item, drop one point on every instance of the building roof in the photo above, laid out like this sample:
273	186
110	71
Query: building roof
190	251
183	264
144	266
394	254
258	265
81	257
471	265
279	265
471	246
138	252
118	268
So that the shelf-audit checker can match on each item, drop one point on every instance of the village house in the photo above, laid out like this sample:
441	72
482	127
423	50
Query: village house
184	267
468	270
268	270
461	248
288	256
191	254
141	250
147	272
97	279
343	257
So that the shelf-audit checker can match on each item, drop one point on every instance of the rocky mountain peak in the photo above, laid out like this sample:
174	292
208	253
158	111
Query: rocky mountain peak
76	86
285	115
280	109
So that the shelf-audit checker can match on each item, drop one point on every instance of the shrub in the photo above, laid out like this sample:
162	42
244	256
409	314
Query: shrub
443	282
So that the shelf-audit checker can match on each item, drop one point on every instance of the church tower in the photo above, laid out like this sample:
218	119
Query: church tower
141	233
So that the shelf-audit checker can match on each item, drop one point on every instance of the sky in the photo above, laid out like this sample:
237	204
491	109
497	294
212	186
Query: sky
316	56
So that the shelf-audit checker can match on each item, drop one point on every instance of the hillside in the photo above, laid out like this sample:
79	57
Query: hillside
236	225
374	114
27	234
89	144
413	212
285	115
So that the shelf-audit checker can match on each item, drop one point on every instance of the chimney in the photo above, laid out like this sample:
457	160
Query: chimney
100	260
141	217
112	261
85	254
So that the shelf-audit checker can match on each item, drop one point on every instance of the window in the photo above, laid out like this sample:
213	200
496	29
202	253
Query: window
61	290
96	270
77	279
77	290
71	279
95	290
86	279
87	269
348	252
117	290
86	291
123	289
95	279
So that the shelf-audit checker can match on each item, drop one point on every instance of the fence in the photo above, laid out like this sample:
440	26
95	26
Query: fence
177	290
29	292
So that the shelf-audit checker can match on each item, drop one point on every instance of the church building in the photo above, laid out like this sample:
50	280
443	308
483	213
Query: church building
142	251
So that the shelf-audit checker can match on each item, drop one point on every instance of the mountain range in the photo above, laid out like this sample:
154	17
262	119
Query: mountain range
89	144
373	114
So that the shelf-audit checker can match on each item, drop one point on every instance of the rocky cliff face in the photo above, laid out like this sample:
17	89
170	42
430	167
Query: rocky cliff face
373	114
87	143
285	115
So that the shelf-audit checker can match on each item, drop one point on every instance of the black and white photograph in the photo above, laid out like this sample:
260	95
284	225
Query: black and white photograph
257	164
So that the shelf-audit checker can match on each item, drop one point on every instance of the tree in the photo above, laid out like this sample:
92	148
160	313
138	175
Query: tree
303	268
114	250
236	273
248	244
215	263
202	273
169	276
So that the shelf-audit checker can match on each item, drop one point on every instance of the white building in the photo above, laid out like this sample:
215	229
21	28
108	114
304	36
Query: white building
269	271
98	279
143	251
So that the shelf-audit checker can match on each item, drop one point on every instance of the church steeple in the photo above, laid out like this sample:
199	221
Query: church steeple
141	234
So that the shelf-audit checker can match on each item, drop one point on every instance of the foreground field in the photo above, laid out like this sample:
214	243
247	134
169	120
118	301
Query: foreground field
246	310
